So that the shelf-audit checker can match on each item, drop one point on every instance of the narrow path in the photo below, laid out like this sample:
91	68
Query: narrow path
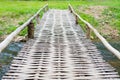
60	51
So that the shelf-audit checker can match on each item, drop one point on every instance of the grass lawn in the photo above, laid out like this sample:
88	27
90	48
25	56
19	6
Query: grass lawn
15	13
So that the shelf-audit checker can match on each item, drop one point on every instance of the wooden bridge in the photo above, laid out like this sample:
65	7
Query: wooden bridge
59	50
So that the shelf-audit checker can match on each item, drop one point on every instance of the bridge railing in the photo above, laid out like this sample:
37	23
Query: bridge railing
29	23
90	27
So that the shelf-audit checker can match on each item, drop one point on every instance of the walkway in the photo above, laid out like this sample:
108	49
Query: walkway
60	51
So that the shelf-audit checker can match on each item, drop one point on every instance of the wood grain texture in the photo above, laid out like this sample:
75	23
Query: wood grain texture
59	51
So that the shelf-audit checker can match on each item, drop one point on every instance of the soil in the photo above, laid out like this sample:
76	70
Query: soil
105	28
95	11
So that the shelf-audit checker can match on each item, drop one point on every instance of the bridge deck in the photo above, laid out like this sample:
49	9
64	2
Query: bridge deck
60	51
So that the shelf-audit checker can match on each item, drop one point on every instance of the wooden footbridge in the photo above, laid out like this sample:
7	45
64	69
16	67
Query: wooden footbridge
59	50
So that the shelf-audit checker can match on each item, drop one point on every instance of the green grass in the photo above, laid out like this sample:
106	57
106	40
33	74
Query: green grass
113	14
15	13
91	20
110	3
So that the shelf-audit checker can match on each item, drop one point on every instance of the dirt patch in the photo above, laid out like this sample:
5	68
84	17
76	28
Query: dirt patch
95	11
109	32
105	28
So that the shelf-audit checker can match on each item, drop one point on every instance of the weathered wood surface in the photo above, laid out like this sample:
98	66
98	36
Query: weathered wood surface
31	30
59	51
103	40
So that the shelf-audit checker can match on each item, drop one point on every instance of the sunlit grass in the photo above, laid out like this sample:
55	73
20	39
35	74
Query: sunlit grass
15	13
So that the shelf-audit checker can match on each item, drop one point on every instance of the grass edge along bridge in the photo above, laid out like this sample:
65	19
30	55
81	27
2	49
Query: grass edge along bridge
30	25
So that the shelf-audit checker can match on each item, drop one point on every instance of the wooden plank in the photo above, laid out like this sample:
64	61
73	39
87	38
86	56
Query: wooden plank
38	19
31	30
65	55
103	40
88	33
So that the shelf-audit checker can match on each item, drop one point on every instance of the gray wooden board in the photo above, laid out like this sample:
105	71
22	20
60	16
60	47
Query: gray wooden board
59	51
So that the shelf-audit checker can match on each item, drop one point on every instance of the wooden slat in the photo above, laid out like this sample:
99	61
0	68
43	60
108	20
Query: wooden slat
103	40
60	52
18	30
